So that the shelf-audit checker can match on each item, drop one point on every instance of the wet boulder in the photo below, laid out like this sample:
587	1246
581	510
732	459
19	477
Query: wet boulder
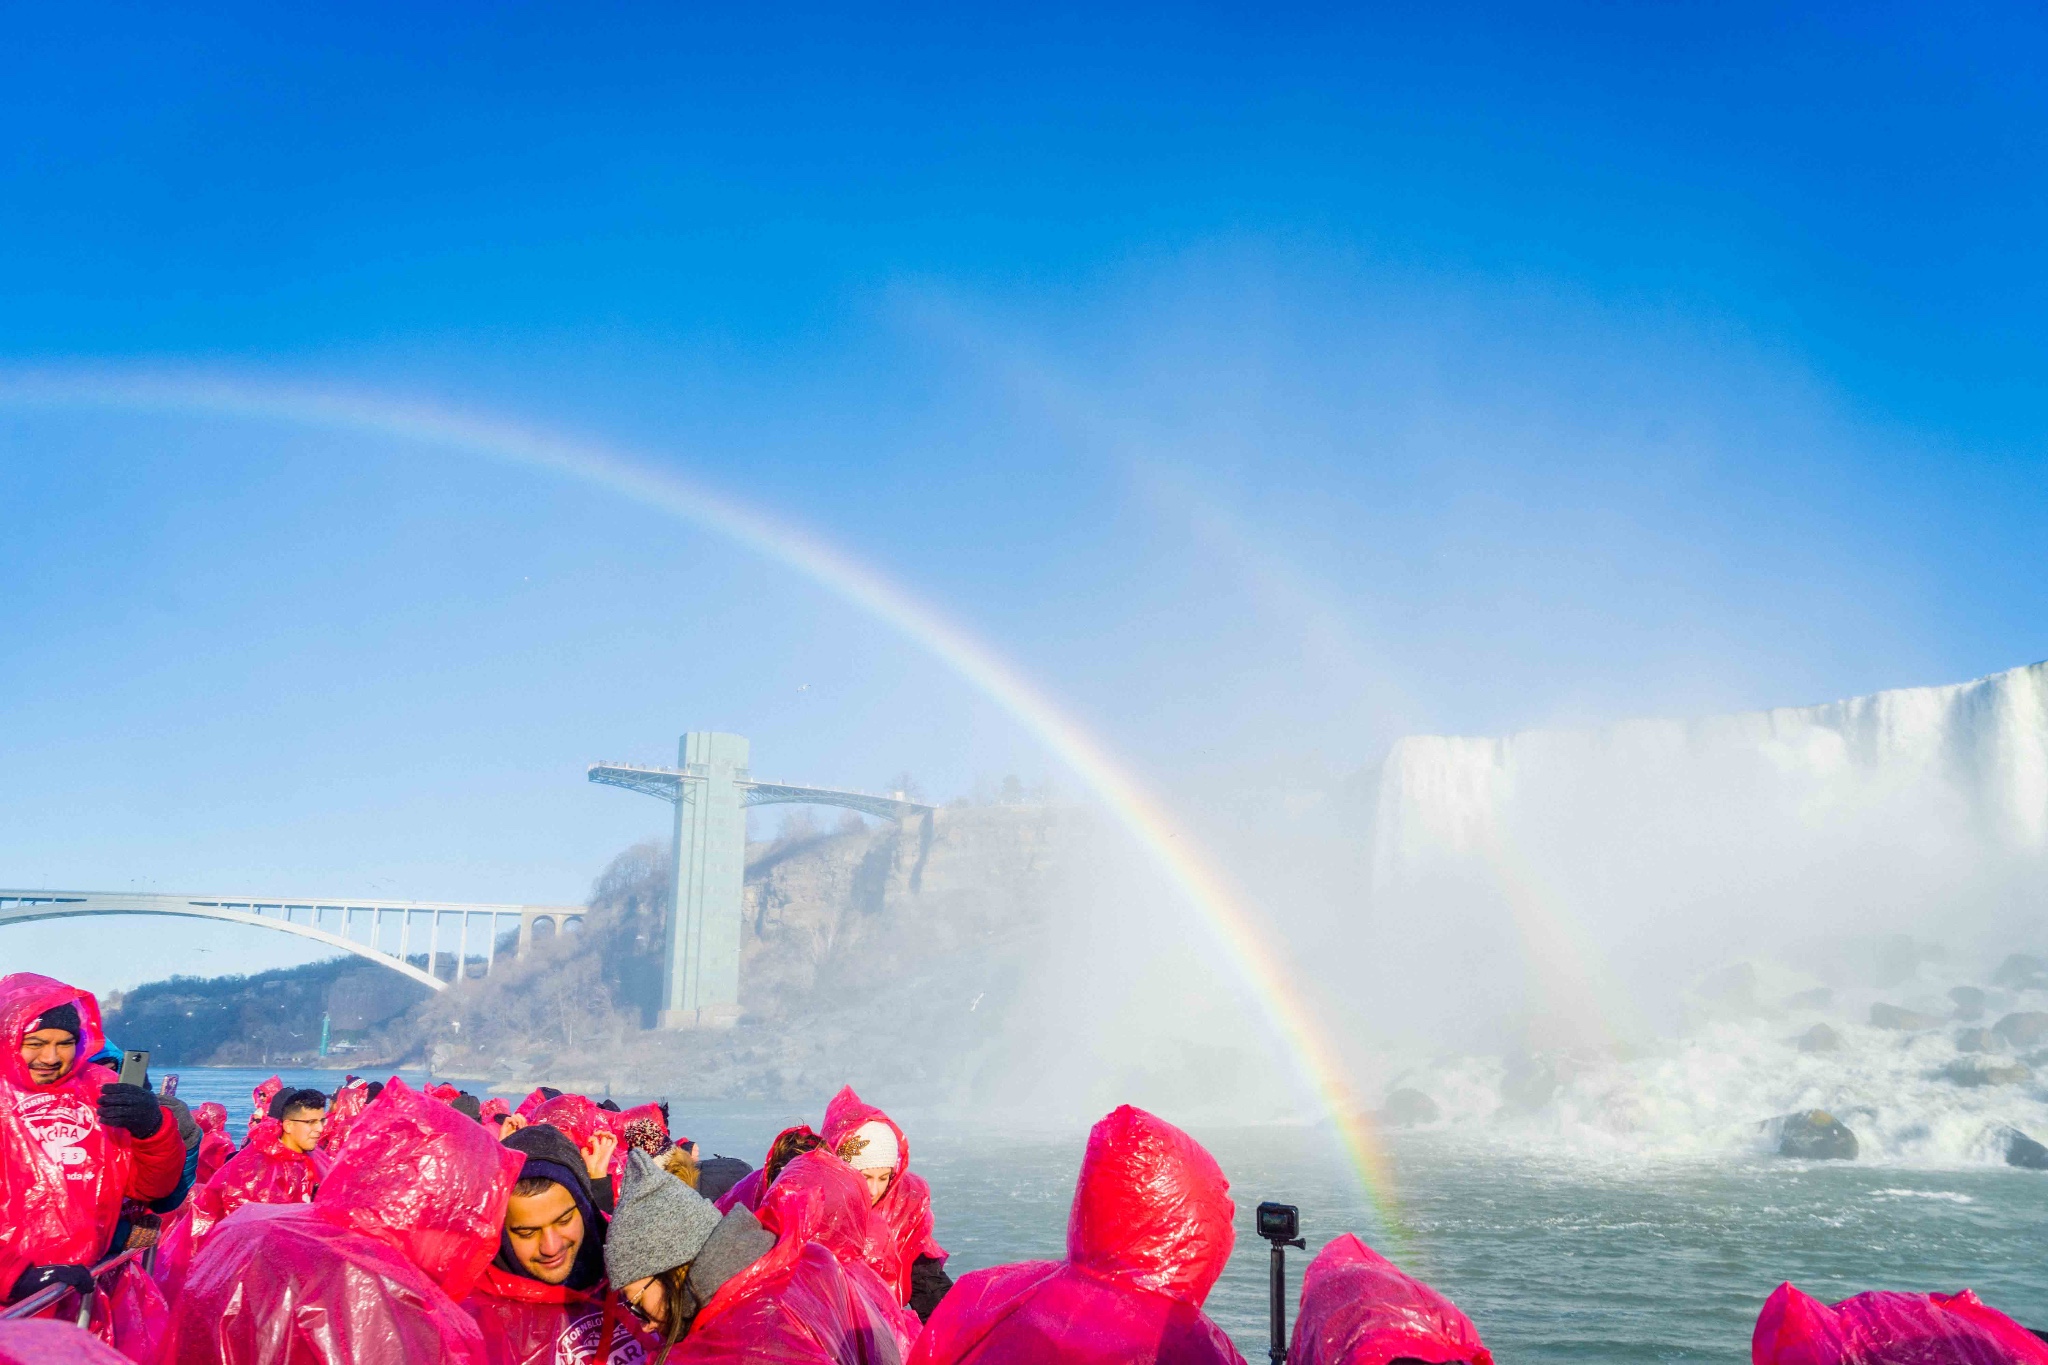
1976	1040
2023	1029
2020	972
2021	1150
1820	1038
1969	1003
1976	1071
1893	1017
1406	1108
1815	1135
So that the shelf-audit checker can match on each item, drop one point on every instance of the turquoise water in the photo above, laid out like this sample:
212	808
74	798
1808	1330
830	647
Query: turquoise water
1556	1257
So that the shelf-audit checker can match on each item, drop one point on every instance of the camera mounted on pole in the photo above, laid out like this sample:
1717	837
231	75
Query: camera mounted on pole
1280	1224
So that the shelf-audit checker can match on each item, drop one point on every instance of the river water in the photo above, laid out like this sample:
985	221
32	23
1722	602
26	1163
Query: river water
1559	1256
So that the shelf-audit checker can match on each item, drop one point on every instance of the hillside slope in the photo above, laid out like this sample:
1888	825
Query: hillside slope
872	955
271	1018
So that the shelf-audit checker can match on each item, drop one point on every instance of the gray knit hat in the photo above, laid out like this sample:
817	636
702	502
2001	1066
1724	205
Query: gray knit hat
660	1223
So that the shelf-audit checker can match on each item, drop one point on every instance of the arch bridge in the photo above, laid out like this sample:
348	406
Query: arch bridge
436	943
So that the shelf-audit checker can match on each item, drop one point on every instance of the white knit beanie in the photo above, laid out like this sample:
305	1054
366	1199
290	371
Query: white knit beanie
874	1147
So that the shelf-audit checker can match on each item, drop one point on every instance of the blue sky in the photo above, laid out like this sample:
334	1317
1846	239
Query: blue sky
1265	384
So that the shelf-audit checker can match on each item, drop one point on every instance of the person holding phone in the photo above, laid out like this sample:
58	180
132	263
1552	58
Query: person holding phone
74	1141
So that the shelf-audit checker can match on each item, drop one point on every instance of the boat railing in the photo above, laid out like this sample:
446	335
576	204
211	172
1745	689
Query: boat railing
35	1304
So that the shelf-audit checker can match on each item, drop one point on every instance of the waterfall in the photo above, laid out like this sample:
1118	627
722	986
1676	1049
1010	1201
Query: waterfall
1648	850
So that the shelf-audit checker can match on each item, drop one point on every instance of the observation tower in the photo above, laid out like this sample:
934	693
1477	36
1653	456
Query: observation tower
711	789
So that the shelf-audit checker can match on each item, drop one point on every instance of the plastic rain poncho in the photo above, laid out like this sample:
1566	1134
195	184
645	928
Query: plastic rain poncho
1359	1308
369	1273
527	1322
41	1342
62	1174
260	1099
577	1116
263	1172
795	1306
215	1146
1148	1234
129	1313
821	1199
1881	1328
907	1207
342	1112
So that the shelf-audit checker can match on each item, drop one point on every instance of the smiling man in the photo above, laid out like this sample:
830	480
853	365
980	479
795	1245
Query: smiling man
544	1299
74	1142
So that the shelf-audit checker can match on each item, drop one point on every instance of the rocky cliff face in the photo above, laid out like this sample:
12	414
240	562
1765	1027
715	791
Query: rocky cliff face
879	956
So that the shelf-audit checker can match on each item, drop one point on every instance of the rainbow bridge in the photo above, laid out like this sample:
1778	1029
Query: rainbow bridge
436	943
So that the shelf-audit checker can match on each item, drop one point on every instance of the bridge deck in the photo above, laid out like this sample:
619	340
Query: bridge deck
308	917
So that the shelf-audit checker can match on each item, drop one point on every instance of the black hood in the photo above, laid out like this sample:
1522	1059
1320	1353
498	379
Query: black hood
551	1156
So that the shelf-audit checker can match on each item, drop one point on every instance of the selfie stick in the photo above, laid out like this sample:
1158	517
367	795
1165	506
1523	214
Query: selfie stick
1277	1224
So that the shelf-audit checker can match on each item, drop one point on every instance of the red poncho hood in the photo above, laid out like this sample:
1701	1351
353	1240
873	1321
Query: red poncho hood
261	1097
907	1207
1359	1308
349	1103
1151	1208
848	1111
212	1117
24	998
1149	1233
424	1179
577	1116
819	1198
1880	1327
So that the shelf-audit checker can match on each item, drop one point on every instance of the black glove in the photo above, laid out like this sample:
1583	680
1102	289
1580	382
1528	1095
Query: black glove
131	1107
43	1276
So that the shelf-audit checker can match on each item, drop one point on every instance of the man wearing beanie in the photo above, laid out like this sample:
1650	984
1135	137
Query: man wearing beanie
727	1288
544	1300
77	1142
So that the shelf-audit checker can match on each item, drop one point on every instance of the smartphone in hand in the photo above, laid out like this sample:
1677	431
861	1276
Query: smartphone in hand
134	1066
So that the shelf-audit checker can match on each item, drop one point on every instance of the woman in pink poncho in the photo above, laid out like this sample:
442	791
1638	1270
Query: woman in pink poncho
1148	1235
869	1140
1881	1328
1359	1308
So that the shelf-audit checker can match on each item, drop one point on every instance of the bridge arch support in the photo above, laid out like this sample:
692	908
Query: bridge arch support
306	919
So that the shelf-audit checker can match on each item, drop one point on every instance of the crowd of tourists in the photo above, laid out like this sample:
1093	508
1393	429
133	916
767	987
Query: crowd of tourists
382	1224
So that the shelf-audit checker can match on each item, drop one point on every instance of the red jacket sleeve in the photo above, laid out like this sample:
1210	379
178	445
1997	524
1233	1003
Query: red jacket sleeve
159	1162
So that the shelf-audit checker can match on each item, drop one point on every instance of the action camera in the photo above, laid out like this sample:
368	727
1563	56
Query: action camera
1280	1223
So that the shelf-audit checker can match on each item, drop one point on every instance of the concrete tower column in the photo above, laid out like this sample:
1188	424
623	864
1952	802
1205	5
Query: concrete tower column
701	977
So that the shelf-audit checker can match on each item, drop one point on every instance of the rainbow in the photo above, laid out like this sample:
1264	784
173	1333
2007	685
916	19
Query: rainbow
1189	869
